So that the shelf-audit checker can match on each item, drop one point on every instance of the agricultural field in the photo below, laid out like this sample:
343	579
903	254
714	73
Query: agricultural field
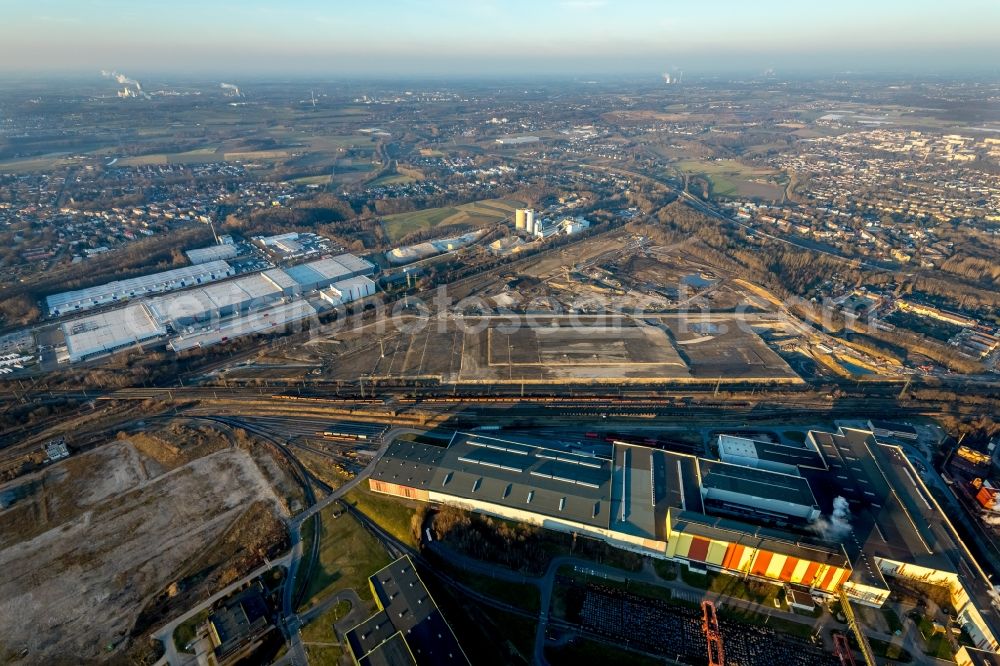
403	176
199	155
45	163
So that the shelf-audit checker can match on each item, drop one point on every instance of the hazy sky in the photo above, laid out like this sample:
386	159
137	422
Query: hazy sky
342	37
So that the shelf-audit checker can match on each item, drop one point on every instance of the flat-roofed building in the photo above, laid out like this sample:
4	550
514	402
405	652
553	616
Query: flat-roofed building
123	290
759	494
110	331
899	530
967	656
321	274
294	246
557	489
349	290
283	281
709	543
408	627
768	455
894	430
242	620
222	299
355	265
861	518
202	255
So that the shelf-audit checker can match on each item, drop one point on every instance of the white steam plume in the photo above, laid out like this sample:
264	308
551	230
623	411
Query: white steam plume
122	79
230	88
837	525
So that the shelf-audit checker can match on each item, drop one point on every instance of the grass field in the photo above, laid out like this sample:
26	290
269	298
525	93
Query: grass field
520	595
340	142
312	180
323	655
478	214
730	178
393	179
393	515
319	637
402	176
348	555
186	631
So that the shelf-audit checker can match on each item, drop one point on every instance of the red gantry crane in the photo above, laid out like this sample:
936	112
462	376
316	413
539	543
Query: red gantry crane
710	625
842	648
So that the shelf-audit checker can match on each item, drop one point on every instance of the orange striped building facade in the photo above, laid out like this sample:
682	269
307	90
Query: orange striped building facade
743	554
759	558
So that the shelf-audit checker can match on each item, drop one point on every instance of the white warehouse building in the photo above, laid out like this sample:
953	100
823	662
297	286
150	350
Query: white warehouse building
224	299
203	255
107	332
144	285
321	274
346	291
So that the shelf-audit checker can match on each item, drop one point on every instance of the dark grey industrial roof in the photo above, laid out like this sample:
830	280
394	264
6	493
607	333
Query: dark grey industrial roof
647	482
553	482
370	634
392	652
789	455
756	482
411	610
894	427
795	456
983	657
892	515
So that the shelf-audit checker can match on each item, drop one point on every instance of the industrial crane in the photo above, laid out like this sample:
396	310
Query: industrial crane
710	625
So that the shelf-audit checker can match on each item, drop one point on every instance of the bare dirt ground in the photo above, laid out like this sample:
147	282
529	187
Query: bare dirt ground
94	538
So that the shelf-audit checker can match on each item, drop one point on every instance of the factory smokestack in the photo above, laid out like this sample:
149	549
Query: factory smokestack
231	90
123	80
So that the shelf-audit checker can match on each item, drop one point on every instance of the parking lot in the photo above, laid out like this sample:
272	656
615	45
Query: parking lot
661	627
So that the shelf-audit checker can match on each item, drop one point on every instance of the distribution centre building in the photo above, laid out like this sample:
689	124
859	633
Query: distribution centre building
107	332
323	273
123	290
218	300
240	306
